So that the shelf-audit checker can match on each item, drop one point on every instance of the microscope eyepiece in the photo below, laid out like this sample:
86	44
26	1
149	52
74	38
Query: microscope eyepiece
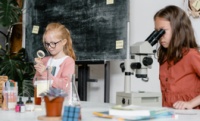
159	34
151	36
155	36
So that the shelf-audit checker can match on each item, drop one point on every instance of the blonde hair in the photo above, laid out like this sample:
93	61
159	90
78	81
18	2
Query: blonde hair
63	33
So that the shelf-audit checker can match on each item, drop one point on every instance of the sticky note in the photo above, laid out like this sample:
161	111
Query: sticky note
119	44
109	2
35	29
196	4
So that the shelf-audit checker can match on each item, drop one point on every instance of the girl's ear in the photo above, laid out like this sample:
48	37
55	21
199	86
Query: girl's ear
64	41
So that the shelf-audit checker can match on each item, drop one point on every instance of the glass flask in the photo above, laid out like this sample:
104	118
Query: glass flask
73	97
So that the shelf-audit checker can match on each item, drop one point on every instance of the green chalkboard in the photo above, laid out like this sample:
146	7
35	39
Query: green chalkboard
94	25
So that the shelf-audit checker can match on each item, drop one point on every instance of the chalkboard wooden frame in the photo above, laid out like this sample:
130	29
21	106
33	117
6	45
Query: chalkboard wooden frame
95	26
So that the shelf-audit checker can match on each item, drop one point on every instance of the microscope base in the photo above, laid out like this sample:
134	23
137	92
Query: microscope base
139	98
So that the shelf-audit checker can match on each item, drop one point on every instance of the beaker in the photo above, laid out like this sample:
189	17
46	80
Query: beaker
41	84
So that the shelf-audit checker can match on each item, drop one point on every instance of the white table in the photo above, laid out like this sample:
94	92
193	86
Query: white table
87	114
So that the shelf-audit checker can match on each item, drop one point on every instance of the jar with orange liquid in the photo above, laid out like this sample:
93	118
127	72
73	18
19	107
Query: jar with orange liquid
41	84
37	99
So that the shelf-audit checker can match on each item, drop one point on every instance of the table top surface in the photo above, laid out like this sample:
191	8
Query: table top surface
87	109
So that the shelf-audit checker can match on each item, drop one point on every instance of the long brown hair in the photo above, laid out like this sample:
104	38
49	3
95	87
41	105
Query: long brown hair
63	33
183	37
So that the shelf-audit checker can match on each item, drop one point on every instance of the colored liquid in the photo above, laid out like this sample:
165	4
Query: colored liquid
37	100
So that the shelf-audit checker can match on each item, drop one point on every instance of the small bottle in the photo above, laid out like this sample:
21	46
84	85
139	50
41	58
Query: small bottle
29	101
5	100
29	105
21	104
17	107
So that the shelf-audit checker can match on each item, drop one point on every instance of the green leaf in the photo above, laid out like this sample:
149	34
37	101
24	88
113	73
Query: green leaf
11	68
9	12
17	69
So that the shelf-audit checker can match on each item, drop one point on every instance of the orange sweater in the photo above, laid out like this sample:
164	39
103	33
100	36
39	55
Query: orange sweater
182	80
62	79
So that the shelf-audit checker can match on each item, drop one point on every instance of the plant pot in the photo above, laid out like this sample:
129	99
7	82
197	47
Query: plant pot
54	107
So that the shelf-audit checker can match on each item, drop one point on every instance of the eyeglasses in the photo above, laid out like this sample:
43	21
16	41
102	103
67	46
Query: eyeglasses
51	44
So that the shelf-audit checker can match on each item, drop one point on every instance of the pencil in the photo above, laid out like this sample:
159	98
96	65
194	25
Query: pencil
99	114
105	115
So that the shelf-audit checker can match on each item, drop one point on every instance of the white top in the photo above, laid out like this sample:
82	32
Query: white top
56	63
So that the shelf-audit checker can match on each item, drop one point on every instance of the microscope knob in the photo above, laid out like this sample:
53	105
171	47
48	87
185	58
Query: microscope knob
122	67
136	65
147	61
123	101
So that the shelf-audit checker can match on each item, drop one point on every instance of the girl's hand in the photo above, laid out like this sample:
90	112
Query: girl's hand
182	105
38	61
39	66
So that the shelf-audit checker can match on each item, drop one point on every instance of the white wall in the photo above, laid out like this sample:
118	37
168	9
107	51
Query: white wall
141	25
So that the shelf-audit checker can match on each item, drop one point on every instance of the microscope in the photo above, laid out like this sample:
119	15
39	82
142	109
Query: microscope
139	61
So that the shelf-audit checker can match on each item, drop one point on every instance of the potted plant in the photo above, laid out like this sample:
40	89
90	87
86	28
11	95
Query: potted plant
53	99
17	69
14	65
